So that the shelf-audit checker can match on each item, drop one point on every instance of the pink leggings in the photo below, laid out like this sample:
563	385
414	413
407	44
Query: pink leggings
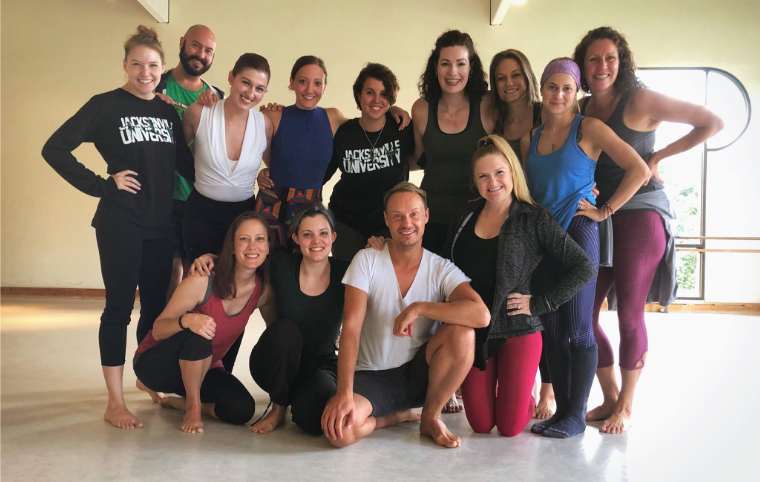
510	406
639	244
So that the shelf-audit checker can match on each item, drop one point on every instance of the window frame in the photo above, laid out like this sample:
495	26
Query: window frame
705	151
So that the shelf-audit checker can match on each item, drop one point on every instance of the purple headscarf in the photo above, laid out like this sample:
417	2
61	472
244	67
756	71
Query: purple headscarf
562	65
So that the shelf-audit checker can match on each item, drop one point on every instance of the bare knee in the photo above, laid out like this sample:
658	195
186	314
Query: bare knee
459	339
348	439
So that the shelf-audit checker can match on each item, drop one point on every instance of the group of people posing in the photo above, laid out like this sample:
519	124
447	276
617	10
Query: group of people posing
533	208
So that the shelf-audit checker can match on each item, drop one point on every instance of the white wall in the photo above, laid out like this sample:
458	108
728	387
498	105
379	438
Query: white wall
58	53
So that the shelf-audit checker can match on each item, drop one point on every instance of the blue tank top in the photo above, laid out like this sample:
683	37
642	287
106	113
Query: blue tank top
301	148
558	181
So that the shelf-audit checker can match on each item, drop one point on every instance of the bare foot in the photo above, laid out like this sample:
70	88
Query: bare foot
618	422
173	402
436	429
271	421
155	396
546	405
396	418
602	412
192	423
120	417
452	406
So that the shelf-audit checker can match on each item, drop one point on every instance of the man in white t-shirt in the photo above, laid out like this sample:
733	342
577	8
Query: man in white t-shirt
392	357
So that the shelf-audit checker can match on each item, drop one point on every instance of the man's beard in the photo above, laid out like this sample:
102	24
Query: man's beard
186	60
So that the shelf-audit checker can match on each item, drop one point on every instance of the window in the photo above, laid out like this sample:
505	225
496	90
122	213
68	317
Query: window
685	173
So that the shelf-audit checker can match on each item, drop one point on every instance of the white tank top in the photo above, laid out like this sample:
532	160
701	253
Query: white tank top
216	176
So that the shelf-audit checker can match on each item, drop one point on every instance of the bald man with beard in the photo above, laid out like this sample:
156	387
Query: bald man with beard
183	84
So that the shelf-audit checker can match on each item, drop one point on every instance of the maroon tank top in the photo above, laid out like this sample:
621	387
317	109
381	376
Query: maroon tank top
228	327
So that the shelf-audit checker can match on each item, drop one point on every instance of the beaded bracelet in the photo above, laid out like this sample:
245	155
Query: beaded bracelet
609	207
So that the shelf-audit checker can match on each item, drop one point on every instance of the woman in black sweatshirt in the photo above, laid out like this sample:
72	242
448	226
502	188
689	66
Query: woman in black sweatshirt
140	138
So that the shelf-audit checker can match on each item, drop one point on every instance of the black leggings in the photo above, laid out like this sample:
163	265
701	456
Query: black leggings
205	223
543	367
351	241
127	262
435	237
571	324
158	368
304	383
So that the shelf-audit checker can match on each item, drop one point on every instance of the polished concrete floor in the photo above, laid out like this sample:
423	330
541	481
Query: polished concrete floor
694	417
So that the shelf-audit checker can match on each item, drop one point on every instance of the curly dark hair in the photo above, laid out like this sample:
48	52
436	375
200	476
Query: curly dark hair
626	78
477	84
381	73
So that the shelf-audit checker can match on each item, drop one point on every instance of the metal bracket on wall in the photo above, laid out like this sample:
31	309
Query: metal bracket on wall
159	9
499	10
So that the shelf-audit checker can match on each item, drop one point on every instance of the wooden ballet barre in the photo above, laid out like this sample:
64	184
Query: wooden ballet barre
696	250
718	238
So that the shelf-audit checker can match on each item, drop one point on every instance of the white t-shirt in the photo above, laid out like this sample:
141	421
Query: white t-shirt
372	272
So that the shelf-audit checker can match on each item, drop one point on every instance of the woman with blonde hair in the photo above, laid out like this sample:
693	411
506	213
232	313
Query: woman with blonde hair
498	241
140	139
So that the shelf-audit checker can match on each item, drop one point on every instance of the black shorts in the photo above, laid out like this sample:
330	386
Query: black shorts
396	389
178	211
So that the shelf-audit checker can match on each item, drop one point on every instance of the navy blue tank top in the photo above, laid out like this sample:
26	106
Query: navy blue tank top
301	148
608	174
558	181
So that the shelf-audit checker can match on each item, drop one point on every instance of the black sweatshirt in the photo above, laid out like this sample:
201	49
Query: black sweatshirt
141	135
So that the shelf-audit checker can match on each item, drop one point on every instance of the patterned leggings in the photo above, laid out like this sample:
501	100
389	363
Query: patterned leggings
571	324
278	206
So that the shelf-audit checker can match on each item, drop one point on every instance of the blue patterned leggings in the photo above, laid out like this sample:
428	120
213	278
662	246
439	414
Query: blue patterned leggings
571	324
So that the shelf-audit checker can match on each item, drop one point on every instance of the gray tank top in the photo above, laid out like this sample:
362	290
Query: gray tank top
447	169
608	174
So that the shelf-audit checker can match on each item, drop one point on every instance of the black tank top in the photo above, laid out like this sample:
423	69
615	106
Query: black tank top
515	144
447	170
608	175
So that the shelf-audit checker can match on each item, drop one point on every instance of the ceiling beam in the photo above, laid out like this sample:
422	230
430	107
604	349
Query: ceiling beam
499	10
159	9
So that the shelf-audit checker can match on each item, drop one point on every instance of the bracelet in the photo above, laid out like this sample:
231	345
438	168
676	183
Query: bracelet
180	323
609	207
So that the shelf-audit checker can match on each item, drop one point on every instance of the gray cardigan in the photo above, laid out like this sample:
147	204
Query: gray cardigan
528	233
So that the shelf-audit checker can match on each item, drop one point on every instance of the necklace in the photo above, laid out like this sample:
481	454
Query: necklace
370	142
454	115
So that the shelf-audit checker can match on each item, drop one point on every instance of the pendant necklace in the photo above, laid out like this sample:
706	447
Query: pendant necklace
370	142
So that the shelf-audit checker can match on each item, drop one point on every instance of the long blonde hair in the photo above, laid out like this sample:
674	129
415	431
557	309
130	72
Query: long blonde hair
494	144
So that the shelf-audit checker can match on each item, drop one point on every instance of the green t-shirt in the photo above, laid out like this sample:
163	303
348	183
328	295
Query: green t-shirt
182	98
